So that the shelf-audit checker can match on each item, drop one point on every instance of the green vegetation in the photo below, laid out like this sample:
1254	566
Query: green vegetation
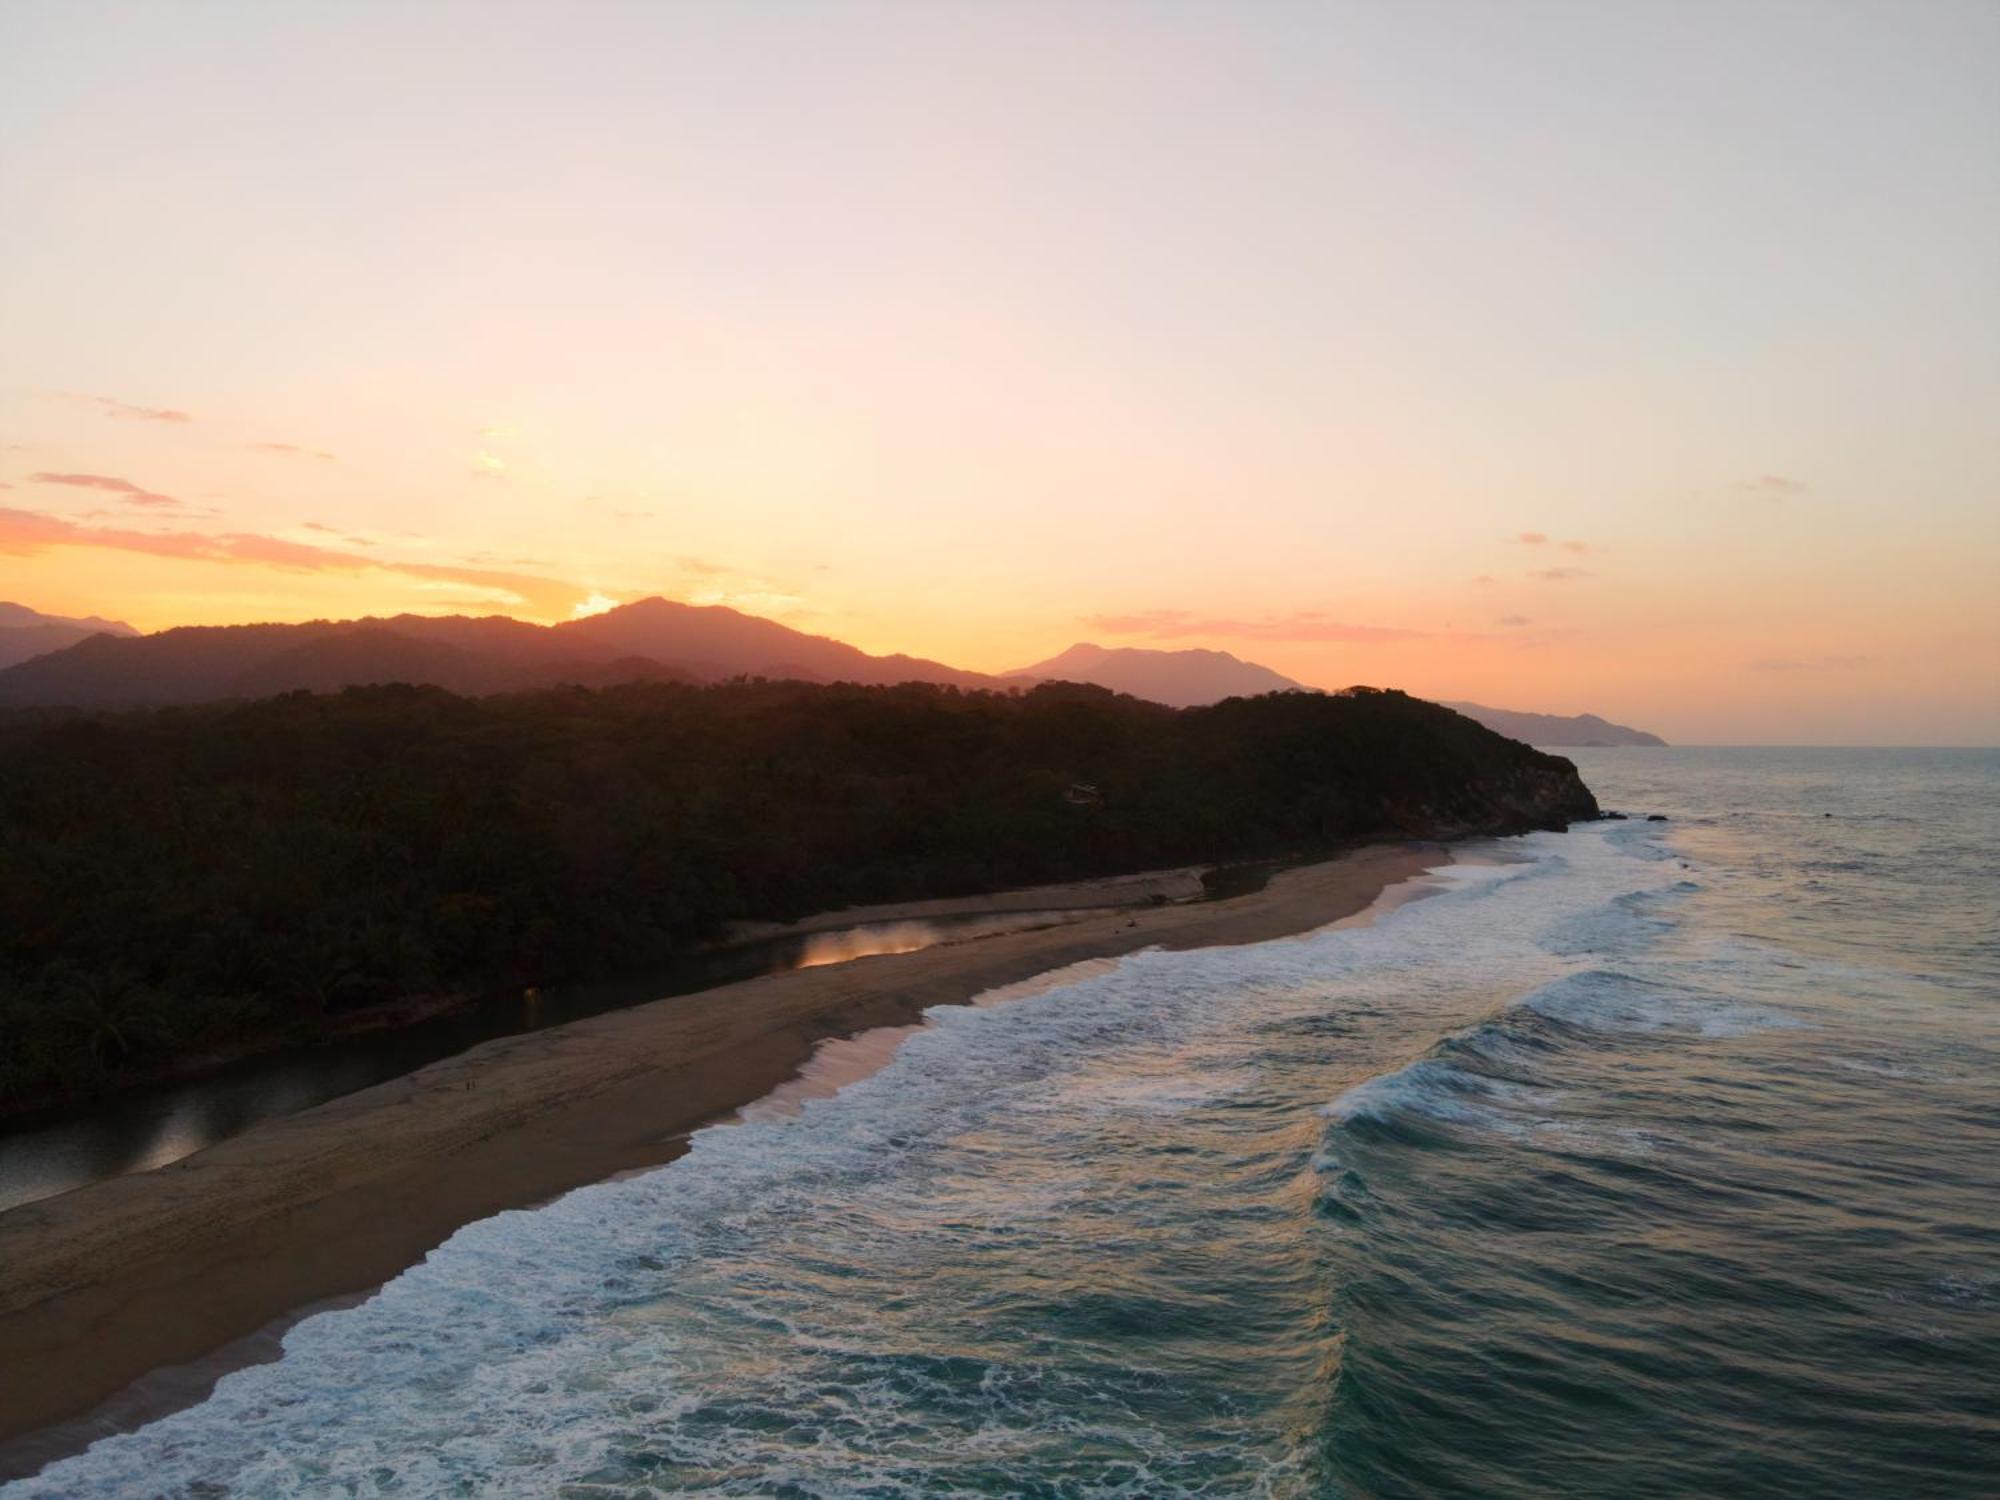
177	880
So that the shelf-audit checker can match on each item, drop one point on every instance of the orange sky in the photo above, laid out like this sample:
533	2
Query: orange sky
1561	358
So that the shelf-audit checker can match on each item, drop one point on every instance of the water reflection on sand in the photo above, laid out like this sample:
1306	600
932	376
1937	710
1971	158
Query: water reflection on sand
154	1127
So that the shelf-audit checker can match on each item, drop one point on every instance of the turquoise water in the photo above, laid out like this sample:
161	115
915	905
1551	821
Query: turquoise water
1649	1159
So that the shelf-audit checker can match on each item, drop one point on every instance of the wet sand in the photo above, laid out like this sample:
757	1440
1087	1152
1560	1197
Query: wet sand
103	1285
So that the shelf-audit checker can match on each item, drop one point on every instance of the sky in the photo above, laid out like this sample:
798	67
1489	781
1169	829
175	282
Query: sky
1641	359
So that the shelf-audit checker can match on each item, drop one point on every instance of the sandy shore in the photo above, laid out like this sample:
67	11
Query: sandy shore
107	1283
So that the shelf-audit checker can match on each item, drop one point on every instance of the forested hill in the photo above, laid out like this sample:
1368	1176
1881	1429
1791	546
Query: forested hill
175	880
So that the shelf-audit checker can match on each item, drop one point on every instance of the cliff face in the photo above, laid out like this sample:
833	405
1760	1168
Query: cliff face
1523	799
1365	762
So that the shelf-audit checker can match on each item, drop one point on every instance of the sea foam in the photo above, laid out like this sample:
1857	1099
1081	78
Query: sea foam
960	1271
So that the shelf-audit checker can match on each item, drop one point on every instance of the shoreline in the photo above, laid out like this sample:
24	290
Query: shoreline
1064	899
132	1275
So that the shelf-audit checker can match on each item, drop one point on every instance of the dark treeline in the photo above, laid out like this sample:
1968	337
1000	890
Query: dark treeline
178	881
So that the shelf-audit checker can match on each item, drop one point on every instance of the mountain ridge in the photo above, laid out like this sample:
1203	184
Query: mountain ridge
649	639
94	663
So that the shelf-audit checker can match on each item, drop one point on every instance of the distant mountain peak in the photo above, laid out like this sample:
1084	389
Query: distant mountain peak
20	616
27	633
1182	679
1086	651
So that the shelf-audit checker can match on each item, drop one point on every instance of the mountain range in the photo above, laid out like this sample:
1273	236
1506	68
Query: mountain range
47	660
1555	729
652	638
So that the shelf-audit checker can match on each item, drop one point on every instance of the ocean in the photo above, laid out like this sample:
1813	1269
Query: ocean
1646	1159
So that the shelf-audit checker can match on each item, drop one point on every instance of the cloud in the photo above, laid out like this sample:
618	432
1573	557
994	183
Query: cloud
1809	664
1542	539
596	604
486	466
1301	625
293	450
1559	575
1774	486
125	411
134	494
25	532
1515	621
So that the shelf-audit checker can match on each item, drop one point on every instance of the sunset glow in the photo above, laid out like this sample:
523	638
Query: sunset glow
1438	347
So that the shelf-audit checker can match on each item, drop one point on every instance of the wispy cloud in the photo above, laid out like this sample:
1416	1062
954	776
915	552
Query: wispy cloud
486	466
1514	622
125	411
133	494
1774	486
24	533
1543	539
293	450
1559	575
1300	625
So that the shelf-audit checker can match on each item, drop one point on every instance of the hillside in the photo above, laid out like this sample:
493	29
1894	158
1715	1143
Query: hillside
241	875
647	640
1180	679
1576	730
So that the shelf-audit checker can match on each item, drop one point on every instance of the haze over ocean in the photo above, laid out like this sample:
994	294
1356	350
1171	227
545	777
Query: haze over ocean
1654	1159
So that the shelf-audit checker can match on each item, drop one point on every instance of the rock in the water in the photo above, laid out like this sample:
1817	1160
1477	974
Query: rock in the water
1656	817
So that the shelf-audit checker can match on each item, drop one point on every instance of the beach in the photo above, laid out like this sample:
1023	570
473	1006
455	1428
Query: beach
121	1278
